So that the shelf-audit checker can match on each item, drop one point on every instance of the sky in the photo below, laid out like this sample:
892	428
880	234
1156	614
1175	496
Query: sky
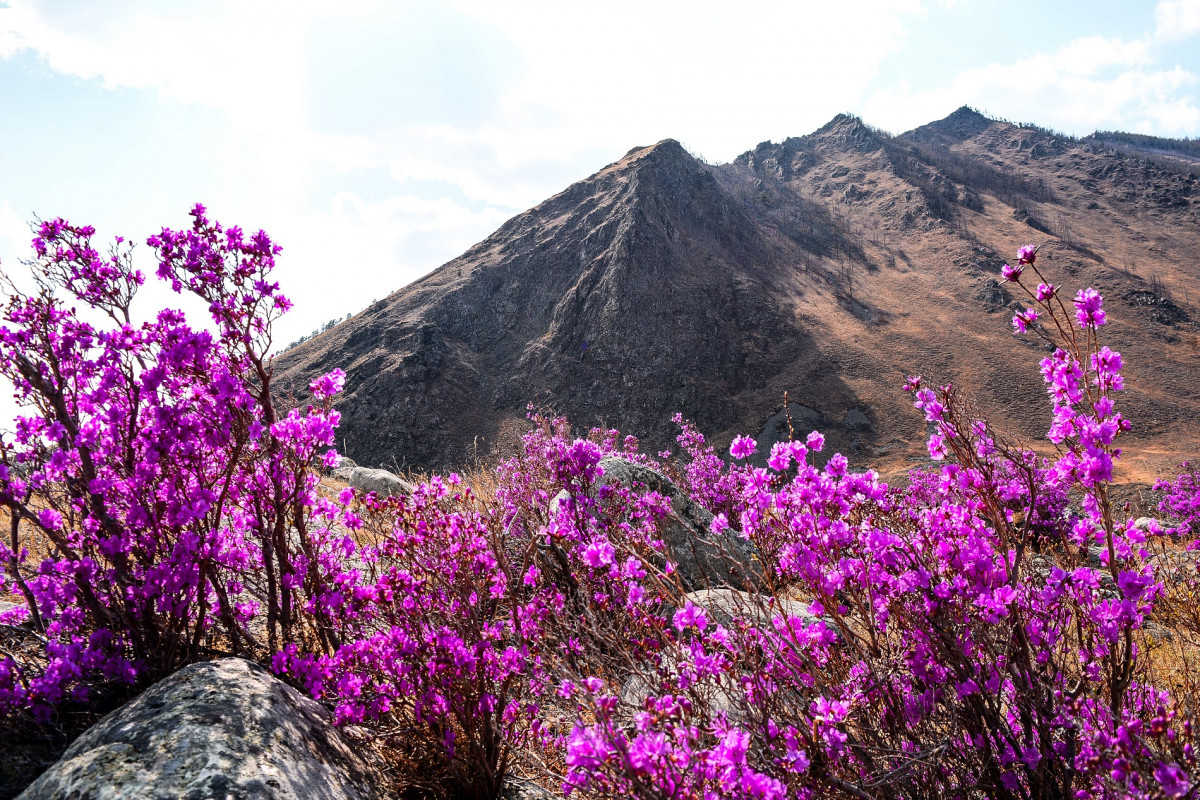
377	140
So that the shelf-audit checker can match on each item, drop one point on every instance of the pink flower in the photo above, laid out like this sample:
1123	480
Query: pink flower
691	615
328	384
927	402
1022	319
937	446
598	554
742	447
1089	308
50	519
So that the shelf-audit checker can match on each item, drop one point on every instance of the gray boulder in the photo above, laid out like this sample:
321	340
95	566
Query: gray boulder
225	729
379	481
704	559
523	789
724	605
1043	567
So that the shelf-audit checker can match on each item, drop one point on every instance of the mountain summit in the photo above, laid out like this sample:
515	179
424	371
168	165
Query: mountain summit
827	266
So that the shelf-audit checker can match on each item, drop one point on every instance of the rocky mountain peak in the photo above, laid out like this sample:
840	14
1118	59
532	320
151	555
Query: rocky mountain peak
960	125
849	132
964	122
826	266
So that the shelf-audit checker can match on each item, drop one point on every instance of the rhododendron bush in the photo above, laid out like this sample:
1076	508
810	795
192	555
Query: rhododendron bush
158	500
985	631
956	640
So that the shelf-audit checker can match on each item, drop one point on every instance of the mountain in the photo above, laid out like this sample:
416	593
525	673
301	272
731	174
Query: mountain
828	266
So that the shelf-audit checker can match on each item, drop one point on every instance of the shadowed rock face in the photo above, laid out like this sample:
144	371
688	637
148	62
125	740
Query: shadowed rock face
225	729
827	266
703	558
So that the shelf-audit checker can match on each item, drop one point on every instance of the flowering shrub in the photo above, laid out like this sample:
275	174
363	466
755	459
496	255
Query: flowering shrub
922	645
158	501
1181	498
462	618
972	634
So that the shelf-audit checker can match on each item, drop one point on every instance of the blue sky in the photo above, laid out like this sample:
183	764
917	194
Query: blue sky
376	140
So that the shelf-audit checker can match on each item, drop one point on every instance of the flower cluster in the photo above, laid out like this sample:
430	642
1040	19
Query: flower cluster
159	502
1181	498
981	631
950	638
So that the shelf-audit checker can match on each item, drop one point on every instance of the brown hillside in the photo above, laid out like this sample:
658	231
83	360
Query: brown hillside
828	266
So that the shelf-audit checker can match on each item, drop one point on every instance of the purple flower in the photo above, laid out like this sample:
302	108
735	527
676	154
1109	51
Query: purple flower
1022	319
781	456
1011	273
598	554
1089	308
742	447
926	401
1172	779
328	384
691	615
1027	254
937	446
50	519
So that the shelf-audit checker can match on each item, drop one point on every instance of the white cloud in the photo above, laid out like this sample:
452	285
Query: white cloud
1177	19
1088	84
716	75
721	76
1087	56
14	233
227	54
586	83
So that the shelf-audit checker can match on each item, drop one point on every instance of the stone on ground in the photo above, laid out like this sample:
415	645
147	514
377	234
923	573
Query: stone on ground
225	729
379	481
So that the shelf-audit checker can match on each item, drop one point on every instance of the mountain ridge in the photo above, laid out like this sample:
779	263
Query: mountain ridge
826	266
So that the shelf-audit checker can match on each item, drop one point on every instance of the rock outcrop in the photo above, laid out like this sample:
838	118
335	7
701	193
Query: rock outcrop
827	266
224	729
703	558
725	605
379	481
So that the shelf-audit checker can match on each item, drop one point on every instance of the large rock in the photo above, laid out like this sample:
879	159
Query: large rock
524	789
379	481
225	729
704	559
1147	524
724	606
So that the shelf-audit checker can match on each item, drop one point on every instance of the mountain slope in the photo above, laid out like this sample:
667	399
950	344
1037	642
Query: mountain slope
827	266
